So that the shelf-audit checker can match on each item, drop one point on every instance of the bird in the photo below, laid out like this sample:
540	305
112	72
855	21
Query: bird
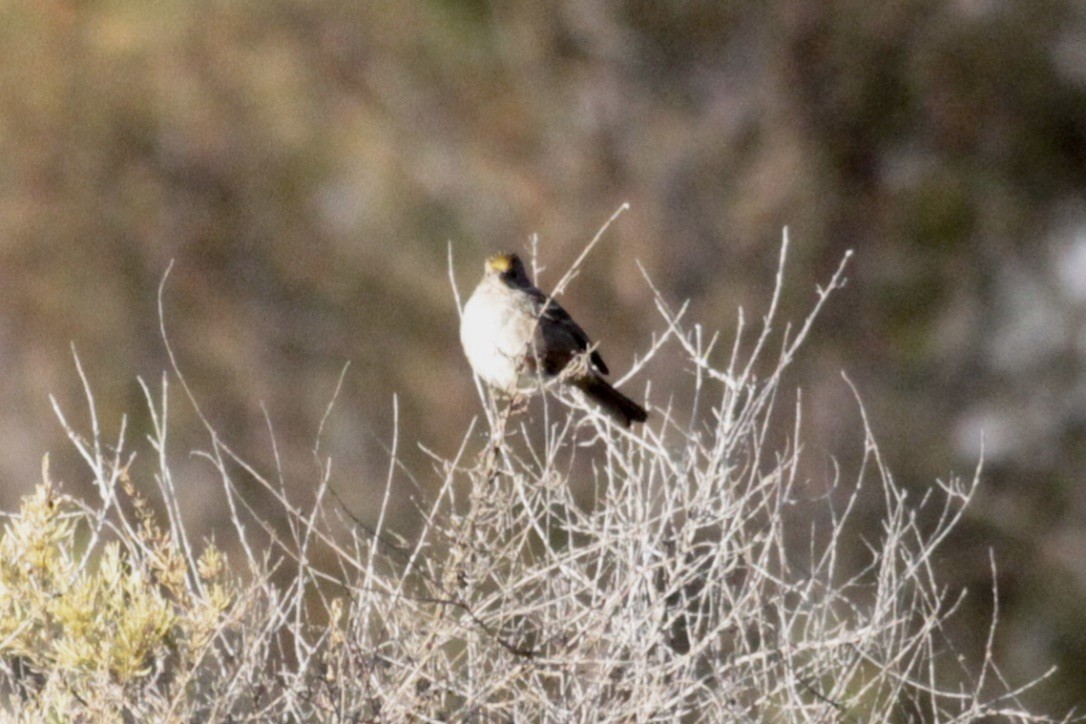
517	339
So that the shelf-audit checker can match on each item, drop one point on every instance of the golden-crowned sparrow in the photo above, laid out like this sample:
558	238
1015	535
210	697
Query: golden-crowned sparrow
516	338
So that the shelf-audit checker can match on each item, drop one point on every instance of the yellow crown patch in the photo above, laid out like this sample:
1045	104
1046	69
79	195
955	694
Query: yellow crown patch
500	262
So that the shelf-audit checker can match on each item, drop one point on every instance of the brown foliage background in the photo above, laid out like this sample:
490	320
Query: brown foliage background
305	163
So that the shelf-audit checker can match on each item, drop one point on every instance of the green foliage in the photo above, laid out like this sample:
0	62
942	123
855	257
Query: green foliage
89	629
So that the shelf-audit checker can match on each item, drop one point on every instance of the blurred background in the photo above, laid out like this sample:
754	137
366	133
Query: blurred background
306	163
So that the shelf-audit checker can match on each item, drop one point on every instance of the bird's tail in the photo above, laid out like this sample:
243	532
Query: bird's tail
624	410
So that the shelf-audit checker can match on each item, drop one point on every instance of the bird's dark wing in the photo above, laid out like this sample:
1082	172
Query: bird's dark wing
556	314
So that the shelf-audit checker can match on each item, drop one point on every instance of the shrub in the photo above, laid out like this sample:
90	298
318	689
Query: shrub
700	582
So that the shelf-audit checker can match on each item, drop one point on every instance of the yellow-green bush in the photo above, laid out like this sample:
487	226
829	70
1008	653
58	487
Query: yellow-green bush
85	626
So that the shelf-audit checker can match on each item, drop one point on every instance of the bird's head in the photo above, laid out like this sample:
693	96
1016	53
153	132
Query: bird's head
507	267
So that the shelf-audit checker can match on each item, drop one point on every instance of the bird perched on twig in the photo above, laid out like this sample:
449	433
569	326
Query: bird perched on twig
516	339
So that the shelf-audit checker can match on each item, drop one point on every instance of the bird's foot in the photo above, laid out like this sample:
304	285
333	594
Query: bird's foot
518	404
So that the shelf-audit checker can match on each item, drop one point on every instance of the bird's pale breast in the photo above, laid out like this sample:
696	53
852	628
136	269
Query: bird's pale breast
495	336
